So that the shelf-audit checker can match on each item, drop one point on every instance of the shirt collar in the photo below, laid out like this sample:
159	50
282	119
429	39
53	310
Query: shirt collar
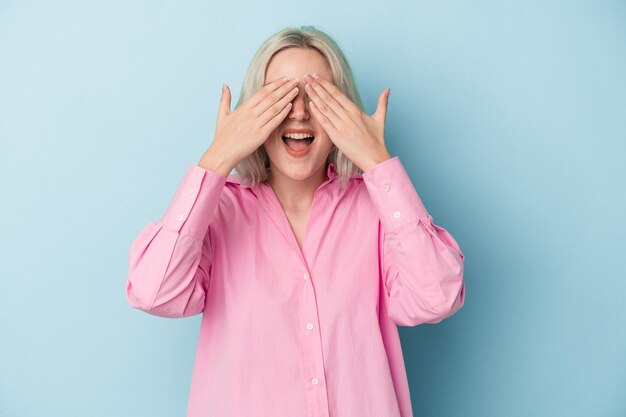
331	173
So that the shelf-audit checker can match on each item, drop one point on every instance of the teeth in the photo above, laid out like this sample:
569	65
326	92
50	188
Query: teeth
298	135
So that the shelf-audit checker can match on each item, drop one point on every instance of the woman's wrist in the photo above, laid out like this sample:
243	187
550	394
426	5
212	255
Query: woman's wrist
215	161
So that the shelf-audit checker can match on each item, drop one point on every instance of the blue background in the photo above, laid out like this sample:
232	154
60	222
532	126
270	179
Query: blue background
509	117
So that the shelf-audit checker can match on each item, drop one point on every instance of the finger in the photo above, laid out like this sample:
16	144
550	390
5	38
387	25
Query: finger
266	91
324	107
274	97
277	107
337	94
273	123
328	126
316	90
381	108
224	106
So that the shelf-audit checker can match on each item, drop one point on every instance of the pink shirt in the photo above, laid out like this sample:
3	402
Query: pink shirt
298	333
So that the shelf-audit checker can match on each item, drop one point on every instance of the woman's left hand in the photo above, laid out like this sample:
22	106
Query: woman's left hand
358	135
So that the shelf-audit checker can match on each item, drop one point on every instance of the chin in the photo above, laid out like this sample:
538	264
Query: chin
296	165
301	172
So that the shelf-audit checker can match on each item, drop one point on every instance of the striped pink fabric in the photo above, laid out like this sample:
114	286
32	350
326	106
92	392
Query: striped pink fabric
290	332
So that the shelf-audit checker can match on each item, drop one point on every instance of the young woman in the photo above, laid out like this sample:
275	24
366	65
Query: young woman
305	261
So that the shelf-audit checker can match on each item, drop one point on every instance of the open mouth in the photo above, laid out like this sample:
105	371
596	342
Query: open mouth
298	142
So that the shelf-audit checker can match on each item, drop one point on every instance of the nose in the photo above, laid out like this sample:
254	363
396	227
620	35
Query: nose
299	109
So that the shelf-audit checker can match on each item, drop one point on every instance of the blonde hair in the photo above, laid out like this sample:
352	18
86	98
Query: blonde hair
254	168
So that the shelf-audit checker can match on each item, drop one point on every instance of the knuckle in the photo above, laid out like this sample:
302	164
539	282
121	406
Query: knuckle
276	95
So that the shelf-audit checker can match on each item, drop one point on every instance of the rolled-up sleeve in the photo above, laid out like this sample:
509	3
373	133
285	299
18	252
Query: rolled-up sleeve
421	263
170	260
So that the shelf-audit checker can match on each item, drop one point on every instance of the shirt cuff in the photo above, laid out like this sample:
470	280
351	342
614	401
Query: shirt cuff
191	210
393	195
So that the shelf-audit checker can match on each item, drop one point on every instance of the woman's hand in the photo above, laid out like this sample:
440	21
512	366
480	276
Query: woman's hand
240	133
359	136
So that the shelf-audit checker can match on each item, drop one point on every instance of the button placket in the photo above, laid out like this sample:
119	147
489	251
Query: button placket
312	348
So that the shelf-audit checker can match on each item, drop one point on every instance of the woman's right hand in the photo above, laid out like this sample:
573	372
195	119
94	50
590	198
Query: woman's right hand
240	133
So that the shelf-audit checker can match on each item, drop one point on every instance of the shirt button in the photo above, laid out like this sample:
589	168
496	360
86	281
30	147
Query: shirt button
397	214
309	326
191	190
181	217
386	188
306	275
315	381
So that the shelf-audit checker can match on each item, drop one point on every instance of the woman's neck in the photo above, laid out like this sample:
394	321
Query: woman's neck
296	195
